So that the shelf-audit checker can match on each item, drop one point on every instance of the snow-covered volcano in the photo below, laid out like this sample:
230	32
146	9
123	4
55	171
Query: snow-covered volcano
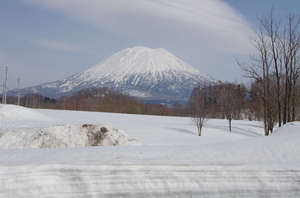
139	71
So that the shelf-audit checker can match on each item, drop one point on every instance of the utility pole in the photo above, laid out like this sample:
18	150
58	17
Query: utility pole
18	85
4	86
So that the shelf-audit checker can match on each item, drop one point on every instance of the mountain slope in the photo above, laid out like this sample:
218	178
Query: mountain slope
139	71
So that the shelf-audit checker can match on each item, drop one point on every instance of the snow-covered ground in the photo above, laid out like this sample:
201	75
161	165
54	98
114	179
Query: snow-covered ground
169	161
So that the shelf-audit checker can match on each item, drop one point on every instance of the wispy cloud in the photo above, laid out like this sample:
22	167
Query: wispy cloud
56	45
213	20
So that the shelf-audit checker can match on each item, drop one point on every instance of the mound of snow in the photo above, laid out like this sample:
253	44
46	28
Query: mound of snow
66	136
288	129
18	113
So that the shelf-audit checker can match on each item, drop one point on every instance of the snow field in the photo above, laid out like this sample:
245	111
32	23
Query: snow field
14	113
171	160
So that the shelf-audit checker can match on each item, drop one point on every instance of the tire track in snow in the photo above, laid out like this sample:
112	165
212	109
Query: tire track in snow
147	181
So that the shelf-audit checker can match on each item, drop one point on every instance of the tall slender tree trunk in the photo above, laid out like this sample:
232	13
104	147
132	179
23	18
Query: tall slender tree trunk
294	101
278	97
294	76
265	105
268	91
279	103
230	120
289	103
265	120
285	105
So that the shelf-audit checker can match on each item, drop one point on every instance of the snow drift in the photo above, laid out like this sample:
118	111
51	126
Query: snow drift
65	136
18	113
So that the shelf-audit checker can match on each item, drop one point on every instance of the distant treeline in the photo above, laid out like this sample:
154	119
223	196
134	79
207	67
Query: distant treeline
225	100
99	100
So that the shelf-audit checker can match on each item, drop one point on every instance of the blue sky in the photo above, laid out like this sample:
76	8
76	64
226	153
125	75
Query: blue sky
47	40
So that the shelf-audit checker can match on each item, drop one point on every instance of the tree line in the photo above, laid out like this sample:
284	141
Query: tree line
99	100
225	101
274	70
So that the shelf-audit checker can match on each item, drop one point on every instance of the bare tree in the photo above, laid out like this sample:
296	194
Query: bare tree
271	28
259	70
229	101
295	77
199	107
290	43
276	68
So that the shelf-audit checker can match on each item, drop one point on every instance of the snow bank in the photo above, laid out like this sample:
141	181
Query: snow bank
290	129
18	113
65	136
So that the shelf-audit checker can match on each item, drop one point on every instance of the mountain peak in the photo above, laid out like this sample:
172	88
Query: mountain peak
140	60
138	71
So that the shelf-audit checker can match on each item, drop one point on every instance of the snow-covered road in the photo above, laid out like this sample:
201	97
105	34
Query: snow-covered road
147	181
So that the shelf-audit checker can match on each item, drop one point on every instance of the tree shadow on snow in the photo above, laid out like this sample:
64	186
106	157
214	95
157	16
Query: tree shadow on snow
181	130
252	125
237	130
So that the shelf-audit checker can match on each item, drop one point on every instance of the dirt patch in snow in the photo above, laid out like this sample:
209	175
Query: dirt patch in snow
66	136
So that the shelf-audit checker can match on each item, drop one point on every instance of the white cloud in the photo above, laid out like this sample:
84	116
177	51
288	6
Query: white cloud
56	45
214	21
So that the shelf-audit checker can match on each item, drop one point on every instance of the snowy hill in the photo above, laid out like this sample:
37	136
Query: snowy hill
139	71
